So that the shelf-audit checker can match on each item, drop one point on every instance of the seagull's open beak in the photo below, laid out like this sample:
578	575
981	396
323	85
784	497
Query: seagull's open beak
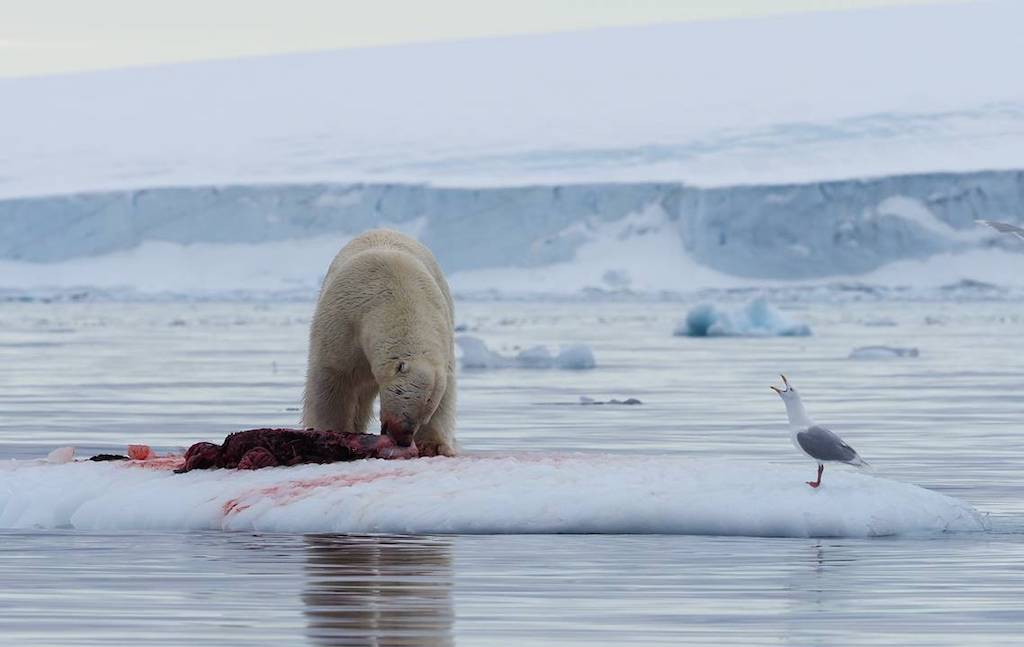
784	382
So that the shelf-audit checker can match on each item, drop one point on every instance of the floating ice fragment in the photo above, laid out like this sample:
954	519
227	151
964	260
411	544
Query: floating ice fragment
534	357
882	352
575	357
755	319
476	355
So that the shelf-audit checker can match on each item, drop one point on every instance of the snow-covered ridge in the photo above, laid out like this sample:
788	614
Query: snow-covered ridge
789	98
644	237
503	494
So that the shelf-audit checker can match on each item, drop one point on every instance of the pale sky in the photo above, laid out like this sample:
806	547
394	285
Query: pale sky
57	36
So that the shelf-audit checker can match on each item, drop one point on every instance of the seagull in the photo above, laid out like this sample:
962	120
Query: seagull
1003	227
816	441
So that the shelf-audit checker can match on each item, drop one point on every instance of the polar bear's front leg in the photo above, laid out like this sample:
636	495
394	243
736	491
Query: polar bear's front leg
362	410
333	403
437	437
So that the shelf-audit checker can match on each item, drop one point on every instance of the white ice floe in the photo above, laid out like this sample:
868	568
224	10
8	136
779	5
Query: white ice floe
500	494
755	319
882	352
474	354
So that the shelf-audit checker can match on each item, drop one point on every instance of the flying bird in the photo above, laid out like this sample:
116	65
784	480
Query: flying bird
1003	227
812	439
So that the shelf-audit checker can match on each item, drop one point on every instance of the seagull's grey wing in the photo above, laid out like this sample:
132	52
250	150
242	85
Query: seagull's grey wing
824	445
1004	227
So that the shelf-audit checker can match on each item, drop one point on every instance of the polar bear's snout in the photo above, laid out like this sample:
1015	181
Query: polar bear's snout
400	429
409	398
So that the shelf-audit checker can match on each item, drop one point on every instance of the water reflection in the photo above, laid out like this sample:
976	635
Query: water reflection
382	591
821	583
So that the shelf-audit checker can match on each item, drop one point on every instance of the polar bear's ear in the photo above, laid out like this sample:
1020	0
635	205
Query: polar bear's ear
403	367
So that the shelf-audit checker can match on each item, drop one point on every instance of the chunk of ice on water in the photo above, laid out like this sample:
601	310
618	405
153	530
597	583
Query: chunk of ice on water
882	352
575	357
476	355
755	319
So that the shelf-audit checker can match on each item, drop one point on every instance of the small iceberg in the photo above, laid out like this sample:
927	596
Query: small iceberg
755	319
476	355
575	357
882	352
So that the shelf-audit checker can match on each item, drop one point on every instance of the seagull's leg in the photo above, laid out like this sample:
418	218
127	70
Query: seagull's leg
821	468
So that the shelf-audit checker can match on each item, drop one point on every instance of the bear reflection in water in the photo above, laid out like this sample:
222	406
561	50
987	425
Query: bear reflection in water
386	591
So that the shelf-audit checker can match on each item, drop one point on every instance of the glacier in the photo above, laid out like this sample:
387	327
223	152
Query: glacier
645	160
525	493
605	238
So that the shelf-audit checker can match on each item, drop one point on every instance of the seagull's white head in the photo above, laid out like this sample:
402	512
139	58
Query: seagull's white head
787	392
794	407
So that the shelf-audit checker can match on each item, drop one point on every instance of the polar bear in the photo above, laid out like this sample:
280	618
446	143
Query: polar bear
384	325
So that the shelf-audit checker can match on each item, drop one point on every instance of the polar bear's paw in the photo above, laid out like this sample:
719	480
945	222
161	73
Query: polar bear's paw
435	448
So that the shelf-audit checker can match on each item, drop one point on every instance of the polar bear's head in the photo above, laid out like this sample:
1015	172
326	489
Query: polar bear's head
410	390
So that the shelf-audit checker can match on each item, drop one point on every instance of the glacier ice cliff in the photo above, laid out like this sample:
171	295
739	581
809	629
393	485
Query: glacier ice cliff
640	236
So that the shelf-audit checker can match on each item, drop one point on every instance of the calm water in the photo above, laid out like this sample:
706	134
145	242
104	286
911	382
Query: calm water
101	375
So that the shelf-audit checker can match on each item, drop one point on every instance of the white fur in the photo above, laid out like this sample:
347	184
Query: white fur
384	305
